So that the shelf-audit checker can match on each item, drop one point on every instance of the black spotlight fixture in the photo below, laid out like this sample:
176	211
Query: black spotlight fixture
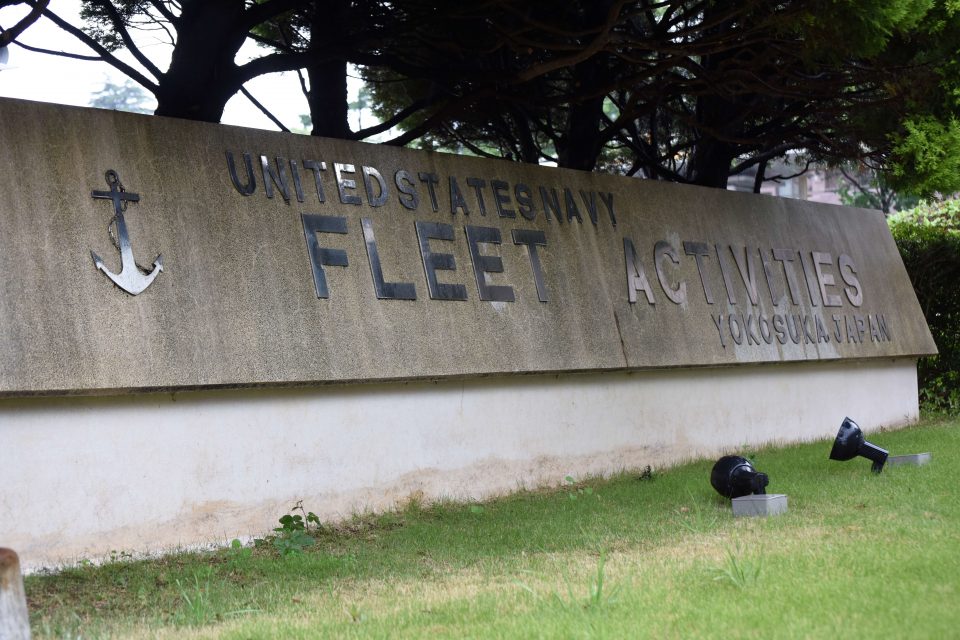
734	477
850	444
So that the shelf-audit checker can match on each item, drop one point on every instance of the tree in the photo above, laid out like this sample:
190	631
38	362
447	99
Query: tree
515	81
121	97
206	36
361	104
323	32
698	91
36	8
684	90
863	187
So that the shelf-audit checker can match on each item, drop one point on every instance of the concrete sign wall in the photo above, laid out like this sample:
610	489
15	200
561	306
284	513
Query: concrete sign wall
144	254
260	258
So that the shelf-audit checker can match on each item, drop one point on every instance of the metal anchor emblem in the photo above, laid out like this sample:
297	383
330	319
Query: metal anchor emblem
132	278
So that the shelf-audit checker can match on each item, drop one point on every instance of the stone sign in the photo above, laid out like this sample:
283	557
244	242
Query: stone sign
144	253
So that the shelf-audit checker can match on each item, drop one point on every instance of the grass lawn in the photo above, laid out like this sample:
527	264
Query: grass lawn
858	555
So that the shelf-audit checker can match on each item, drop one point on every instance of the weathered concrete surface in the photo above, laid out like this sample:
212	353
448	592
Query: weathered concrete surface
236	303
148	472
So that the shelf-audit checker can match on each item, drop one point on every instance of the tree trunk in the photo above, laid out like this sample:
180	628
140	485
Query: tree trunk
327	96
201	78
718	117
711	163
327	99
580	147
529	152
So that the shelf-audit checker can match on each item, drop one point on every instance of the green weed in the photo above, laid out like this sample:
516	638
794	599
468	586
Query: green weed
738	570
295	533
195	596
576	490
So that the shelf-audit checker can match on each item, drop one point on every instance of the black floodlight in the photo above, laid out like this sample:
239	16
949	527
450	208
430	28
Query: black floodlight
734	477
850	444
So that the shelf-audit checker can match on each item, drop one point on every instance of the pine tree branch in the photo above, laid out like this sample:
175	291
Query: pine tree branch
120	27
103	53
62	54
263	109
394	120
10	35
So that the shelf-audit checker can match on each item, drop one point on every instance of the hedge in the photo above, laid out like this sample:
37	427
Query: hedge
928	237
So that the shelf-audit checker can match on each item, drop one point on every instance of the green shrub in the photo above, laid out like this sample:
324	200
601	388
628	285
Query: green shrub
928	237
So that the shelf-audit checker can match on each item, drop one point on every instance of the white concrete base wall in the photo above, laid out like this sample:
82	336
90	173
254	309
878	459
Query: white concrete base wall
80	477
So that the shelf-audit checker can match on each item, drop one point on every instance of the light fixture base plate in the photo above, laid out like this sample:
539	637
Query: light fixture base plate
913	459
762	505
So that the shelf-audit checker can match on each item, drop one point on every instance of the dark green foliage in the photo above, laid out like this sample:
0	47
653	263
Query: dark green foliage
929	240
101	17
692	91
689	91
